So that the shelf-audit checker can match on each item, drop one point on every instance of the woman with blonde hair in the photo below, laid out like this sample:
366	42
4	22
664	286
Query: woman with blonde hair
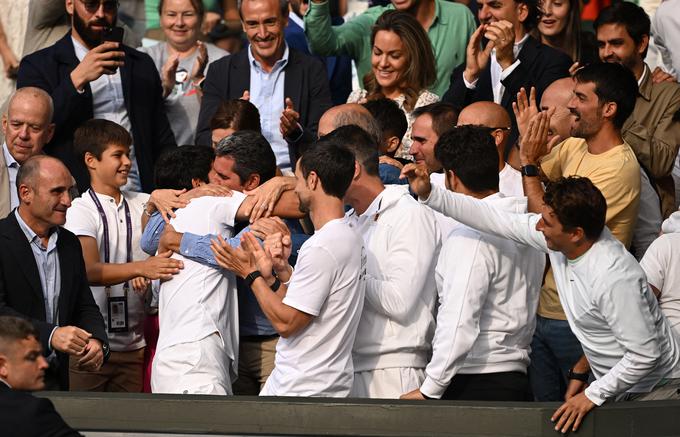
402	68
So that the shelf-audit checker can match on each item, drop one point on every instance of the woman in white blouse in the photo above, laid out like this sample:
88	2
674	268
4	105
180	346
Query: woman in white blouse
403	67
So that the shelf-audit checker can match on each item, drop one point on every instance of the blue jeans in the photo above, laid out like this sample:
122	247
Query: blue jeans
554	350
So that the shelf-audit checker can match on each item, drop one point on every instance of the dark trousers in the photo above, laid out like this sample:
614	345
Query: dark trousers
502	386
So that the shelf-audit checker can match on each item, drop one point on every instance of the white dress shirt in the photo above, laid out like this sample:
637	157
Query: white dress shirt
611	310
487	303
108	102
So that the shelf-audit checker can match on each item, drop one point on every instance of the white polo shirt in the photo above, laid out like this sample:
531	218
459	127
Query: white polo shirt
510	182
329	284
201	300
83	219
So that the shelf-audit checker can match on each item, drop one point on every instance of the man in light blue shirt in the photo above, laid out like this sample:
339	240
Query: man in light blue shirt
27	128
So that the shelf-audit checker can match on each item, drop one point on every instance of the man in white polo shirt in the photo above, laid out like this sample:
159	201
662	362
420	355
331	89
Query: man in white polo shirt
316	309
627	341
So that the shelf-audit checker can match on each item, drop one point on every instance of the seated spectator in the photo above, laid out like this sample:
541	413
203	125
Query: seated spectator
652	131
317	307
487	302
233	116
628	343
496	119
181	61
393	124
448	25
402	68
27	129
402	241
517	59
22	370
108	223
559	26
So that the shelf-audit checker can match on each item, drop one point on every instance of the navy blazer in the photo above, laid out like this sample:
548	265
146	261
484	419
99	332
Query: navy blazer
540	65
50	69
305	83
21	293
24	415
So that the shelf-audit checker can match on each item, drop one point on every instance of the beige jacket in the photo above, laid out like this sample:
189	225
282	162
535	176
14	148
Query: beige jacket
4	188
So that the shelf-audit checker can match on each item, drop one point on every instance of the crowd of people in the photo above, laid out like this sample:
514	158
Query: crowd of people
490	215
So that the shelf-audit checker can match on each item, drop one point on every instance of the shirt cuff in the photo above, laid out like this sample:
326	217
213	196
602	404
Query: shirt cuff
592	393
49	340
470	85
432	389
508	71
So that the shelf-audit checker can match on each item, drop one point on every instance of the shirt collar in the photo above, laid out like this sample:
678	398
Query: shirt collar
32	236
80	49
5	382
292	16
643	76
277	66
9	159
438	17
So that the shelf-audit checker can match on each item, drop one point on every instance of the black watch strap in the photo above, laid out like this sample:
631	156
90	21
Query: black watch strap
251	277
276	285
530	170
579	376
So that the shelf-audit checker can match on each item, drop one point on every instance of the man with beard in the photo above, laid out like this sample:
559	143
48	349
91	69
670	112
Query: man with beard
603	98
89	77
652	130
289	89
316	308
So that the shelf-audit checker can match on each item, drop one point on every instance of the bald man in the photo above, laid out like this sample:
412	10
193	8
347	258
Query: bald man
42	273
27	128
557	96
494	117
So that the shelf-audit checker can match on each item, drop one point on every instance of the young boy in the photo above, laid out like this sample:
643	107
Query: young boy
393	124
108	223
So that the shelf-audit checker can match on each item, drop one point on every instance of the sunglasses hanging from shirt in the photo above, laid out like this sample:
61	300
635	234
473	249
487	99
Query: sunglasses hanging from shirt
117	305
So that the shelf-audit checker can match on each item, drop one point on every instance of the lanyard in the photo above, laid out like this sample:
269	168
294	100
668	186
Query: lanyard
105	223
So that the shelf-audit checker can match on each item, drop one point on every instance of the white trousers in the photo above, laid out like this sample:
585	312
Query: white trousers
200	367
386	383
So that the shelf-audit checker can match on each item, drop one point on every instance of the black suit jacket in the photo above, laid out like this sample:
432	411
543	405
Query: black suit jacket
24	415
21	293
306	83
50	69
540	65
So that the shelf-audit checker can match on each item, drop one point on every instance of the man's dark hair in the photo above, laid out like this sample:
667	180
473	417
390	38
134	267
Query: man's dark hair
251	152
577	203
178	166
613	83
96	135
13	329
332	162
236	114
533	14
390	118
360	143
444	116
470	152
631	16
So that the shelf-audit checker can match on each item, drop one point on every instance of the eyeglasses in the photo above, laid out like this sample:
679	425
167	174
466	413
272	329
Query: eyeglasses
92	6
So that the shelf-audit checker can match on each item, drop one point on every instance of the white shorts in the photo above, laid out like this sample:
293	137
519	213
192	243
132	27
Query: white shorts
386	383
200	367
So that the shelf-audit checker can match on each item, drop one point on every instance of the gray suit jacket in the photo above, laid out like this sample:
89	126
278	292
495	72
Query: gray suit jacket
4	188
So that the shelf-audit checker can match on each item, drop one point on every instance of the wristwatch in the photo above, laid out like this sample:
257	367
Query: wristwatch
251	277
106	351
530	170
579	376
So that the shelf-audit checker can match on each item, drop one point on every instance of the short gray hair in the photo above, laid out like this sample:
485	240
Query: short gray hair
36	93
363	119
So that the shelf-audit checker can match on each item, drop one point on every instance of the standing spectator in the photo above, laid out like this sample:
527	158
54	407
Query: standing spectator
448	25
288	88
488	298
510	60
317	307
27	129
402	68
108	224
42	273
22	369
652	130
402	243
181	62
559	26
88	77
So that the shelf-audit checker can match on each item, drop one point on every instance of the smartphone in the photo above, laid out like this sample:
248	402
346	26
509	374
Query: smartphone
114	34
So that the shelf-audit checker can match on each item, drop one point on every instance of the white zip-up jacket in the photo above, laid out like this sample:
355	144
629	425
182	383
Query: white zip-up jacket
488	294
402	241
